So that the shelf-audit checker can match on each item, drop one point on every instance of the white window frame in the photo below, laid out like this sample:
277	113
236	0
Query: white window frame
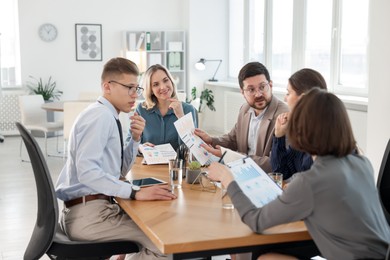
298	45
10	46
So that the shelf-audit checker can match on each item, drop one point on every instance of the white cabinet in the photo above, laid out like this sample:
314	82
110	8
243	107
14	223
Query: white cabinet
168	48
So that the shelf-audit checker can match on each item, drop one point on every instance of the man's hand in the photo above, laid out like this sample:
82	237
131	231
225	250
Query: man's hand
177	107
215	151
155	192
203	135
137	126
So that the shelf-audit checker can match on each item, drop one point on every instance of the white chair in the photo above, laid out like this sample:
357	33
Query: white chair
89	95
71	112
33	117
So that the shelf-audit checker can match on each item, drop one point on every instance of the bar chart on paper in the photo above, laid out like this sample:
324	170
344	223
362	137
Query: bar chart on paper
254	182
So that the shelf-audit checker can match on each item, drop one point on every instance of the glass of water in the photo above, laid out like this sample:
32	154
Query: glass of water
175	173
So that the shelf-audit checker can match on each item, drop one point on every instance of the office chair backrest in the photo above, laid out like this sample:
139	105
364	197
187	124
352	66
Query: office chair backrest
383	183
31	111
47	217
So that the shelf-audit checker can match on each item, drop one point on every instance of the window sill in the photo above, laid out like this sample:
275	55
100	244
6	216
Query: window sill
351	102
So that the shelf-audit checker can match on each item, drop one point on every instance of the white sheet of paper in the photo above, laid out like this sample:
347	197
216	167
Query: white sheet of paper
254	182
185	128
159	154
231	155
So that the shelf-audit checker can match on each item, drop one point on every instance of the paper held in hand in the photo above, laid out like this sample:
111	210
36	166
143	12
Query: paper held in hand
158	154
185	128
254	182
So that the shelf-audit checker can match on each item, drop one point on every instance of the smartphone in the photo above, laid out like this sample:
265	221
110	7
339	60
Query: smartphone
147	182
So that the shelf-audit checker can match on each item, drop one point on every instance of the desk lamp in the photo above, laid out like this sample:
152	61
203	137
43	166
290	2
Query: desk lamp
200	65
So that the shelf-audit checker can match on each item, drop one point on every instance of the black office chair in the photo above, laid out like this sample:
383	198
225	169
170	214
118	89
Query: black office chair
47	237
383	183
388	253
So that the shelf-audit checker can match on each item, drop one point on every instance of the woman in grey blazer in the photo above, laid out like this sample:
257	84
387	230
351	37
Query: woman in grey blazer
336	198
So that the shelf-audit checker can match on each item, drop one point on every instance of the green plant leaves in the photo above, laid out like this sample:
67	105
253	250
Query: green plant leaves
47	90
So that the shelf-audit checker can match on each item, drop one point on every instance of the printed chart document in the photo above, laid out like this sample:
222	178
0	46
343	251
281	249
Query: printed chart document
185	128
254	182
159	154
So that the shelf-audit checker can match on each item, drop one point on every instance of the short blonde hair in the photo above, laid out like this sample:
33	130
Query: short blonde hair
150	98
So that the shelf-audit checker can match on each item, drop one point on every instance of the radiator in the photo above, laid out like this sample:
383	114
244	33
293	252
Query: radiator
232	104
9	113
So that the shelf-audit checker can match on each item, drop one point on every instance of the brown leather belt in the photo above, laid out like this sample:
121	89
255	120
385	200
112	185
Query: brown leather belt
73	202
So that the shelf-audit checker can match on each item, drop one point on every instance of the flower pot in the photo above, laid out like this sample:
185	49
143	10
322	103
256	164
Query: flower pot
191	176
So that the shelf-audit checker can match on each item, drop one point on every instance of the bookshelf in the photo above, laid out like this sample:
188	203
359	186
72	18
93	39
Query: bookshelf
168	48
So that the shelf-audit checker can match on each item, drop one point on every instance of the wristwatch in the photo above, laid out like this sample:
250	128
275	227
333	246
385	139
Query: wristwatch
134	190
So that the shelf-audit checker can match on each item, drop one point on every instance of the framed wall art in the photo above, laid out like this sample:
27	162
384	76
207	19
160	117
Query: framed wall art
88	42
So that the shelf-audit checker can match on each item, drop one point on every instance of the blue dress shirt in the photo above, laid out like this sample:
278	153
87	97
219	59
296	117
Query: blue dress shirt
160	129
94	157
288	160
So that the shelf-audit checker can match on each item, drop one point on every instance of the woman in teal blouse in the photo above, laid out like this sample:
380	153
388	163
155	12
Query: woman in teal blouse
161	108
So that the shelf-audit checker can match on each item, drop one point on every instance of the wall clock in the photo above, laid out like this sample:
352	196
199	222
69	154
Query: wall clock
47	32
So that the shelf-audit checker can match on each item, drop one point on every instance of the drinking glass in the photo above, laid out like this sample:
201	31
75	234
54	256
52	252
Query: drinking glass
175	173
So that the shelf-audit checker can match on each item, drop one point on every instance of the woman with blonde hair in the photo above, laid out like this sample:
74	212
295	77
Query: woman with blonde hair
161	108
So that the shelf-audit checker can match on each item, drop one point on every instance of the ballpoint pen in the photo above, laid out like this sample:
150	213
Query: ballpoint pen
223	155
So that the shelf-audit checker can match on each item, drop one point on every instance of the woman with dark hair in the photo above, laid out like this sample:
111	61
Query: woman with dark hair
284	159
336	198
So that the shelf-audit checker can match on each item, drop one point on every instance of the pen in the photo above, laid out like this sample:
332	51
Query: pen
223	155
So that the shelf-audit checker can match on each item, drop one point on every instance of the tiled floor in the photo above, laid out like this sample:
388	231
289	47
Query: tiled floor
18	196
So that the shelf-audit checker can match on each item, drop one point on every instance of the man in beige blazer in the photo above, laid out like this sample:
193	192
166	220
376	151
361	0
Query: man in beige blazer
252	134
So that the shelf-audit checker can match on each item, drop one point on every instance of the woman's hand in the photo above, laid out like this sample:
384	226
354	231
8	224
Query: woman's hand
220	172
281	124
177	107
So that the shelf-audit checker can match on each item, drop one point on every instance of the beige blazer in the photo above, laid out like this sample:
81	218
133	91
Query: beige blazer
237	138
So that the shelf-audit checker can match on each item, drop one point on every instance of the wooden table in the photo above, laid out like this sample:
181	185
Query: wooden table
195	224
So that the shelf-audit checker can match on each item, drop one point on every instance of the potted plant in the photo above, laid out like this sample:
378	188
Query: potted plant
46	89
206	98
193	171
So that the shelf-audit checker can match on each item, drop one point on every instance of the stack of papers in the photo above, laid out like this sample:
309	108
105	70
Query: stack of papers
158	154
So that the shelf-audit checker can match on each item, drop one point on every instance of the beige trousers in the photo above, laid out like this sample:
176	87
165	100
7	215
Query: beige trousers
99	220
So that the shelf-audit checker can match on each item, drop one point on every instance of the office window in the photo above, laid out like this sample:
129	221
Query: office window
10	75
328	36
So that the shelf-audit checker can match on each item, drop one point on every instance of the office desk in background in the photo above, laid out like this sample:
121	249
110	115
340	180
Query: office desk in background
195	224
57	106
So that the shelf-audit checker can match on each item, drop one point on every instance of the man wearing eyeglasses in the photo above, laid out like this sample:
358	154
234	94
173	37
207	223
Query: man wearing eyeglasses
252	134
97	160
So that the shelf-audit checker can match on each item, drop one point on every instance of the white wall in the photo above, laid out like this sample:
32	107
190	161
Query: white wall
57	58
378	119
208	39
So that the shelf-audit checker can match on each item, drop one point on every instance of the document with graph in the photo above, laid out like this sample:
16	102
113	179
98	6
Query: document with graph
254	182
185	128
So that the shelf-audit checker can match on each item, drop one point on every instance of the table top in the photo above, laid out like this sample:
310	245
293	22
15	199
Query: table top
54	106
196	221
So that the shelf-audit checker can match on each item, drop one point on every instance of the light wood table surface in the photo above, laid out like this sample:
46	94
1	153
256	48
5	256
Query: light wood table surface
196	221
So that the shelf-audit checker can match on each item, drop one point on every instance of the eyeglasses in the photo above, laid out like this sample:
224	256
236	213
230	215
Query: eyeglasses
263	87
132	88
